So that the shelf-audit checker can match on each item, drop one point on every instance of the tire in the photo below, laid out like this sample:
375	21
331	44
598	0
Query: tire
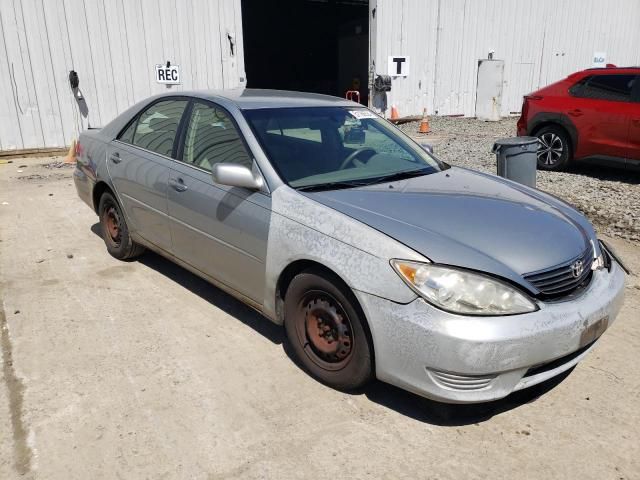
319	308
115	231
555	148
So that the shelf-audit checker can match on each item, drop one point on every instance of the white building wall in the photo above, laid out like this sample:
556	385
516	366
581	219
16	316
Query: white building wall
540	42
114	46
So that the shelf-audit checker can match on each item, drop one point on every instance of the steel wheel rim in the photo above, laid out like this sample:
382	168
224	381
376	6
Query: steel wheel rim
113	224
325	330
551	149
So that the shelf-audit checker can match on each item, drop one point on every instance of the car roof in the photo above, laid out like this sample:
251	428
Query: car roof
240	98
621	70
251	99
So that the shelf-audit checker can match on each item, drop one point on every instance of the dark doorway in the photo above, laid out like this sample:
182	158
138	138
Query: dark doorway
319	46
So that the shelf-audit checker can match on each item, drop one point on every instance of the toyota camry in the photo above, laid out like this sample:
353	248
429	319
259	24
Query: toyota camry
380	260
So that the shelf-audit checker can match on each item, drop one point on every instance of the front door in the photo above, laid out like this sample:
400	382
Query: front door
139	162
220	230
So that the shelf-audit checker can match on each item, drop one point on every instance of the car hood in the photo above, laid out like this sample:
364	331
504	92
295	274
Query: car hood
469	219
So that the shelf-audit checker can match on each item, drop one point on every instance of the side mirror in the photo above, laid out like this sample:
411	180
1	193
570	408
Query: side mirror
354	135
236	175
427	147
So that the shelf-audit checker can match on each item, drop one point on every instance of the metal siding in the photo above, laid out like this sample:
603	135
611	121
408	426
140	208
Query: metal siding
114	46
395	33
540	42
10	112
21	80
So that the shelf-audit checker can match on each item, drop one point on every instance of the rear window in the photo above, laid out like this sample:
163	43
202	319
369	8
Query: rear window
615	88
155	129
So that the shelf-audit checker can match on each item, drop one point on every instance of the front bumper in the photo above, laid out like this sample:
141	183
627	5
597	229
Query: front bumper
460	359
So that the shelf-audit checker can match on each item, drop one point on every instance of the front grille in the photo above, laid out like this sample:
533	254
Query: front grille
461	382
561	280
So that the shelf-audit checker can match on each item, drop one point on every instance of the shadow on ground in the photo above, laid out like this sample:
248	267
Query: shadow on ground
210	293
450	415
607	173
388	396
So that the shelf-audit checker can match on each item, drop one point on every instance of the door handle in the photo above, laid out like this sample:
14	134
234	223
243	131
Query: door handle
115	158
636	121
177	184
575	112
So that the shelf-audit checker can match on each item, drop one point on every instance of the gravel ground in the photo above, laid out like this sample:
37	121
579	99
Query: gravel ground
608	196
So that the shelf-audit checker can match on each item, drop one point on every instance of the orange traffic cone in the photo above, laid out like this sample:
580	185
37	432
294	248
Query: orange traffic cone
394	113
71	154
424	123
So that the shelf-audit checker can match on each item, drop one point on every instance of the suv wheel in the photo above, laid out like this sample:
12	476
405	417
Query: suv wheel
554	152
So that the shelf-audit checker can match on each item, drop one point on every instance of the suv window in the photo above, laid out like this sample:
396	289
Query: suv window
211	138
155	129
616	88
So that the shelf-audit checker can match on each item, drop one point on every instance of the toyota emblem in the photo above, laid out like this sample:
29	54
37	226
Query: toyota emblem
577	269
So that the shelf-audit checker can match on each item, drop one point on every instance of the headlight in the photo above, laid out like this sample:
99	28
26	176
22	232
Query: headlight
461	291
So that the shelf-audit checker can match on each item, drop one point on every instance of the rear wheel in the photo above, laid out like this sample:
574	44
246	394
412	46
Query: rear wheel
326	330
554	152
115	232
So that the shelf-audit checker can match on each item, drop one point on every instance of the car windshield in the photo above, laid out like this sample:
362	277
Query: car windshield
336	147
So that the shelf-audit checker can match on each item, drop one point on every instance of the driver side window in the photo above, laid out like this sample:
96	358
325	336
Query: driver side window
211	138
355	136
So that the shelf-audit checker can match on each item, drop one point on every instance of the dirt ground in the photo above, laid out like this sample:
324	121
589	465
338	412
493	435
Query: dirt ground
141	370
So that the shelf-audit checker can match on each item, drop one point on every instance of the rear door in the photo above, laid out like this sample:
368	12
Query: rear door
220	230
139	163
634	128
601	111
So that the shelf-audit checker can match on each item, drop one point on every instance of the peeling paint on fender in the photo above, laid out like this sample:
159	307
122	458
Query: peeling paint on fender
304	229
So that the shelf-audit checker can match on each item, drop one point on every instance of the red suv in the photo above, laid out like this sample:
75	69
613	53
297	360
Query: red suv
590	115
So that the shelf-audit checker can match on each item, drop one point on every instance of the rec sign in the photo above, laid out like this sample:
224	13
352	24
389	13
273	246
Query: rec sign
168	74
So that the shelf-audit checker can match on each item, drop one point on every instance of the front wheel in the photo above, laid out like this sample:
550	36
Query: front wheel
327	331
554	152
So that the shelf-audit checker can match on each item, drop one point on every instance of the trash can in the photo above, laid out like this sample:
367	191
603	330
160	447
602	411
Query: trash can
517	159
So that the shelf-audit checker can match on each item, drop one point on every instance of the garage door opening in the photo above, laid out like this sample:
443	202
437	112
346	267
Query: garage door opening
319	46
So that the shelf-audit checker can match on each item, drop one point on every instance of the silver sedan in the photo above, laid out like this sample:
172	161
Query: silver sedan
378	259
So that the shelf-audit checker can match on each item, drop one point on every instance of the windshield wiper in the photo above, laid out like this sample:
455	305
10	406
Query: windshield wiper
365	182
331	186
400	176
